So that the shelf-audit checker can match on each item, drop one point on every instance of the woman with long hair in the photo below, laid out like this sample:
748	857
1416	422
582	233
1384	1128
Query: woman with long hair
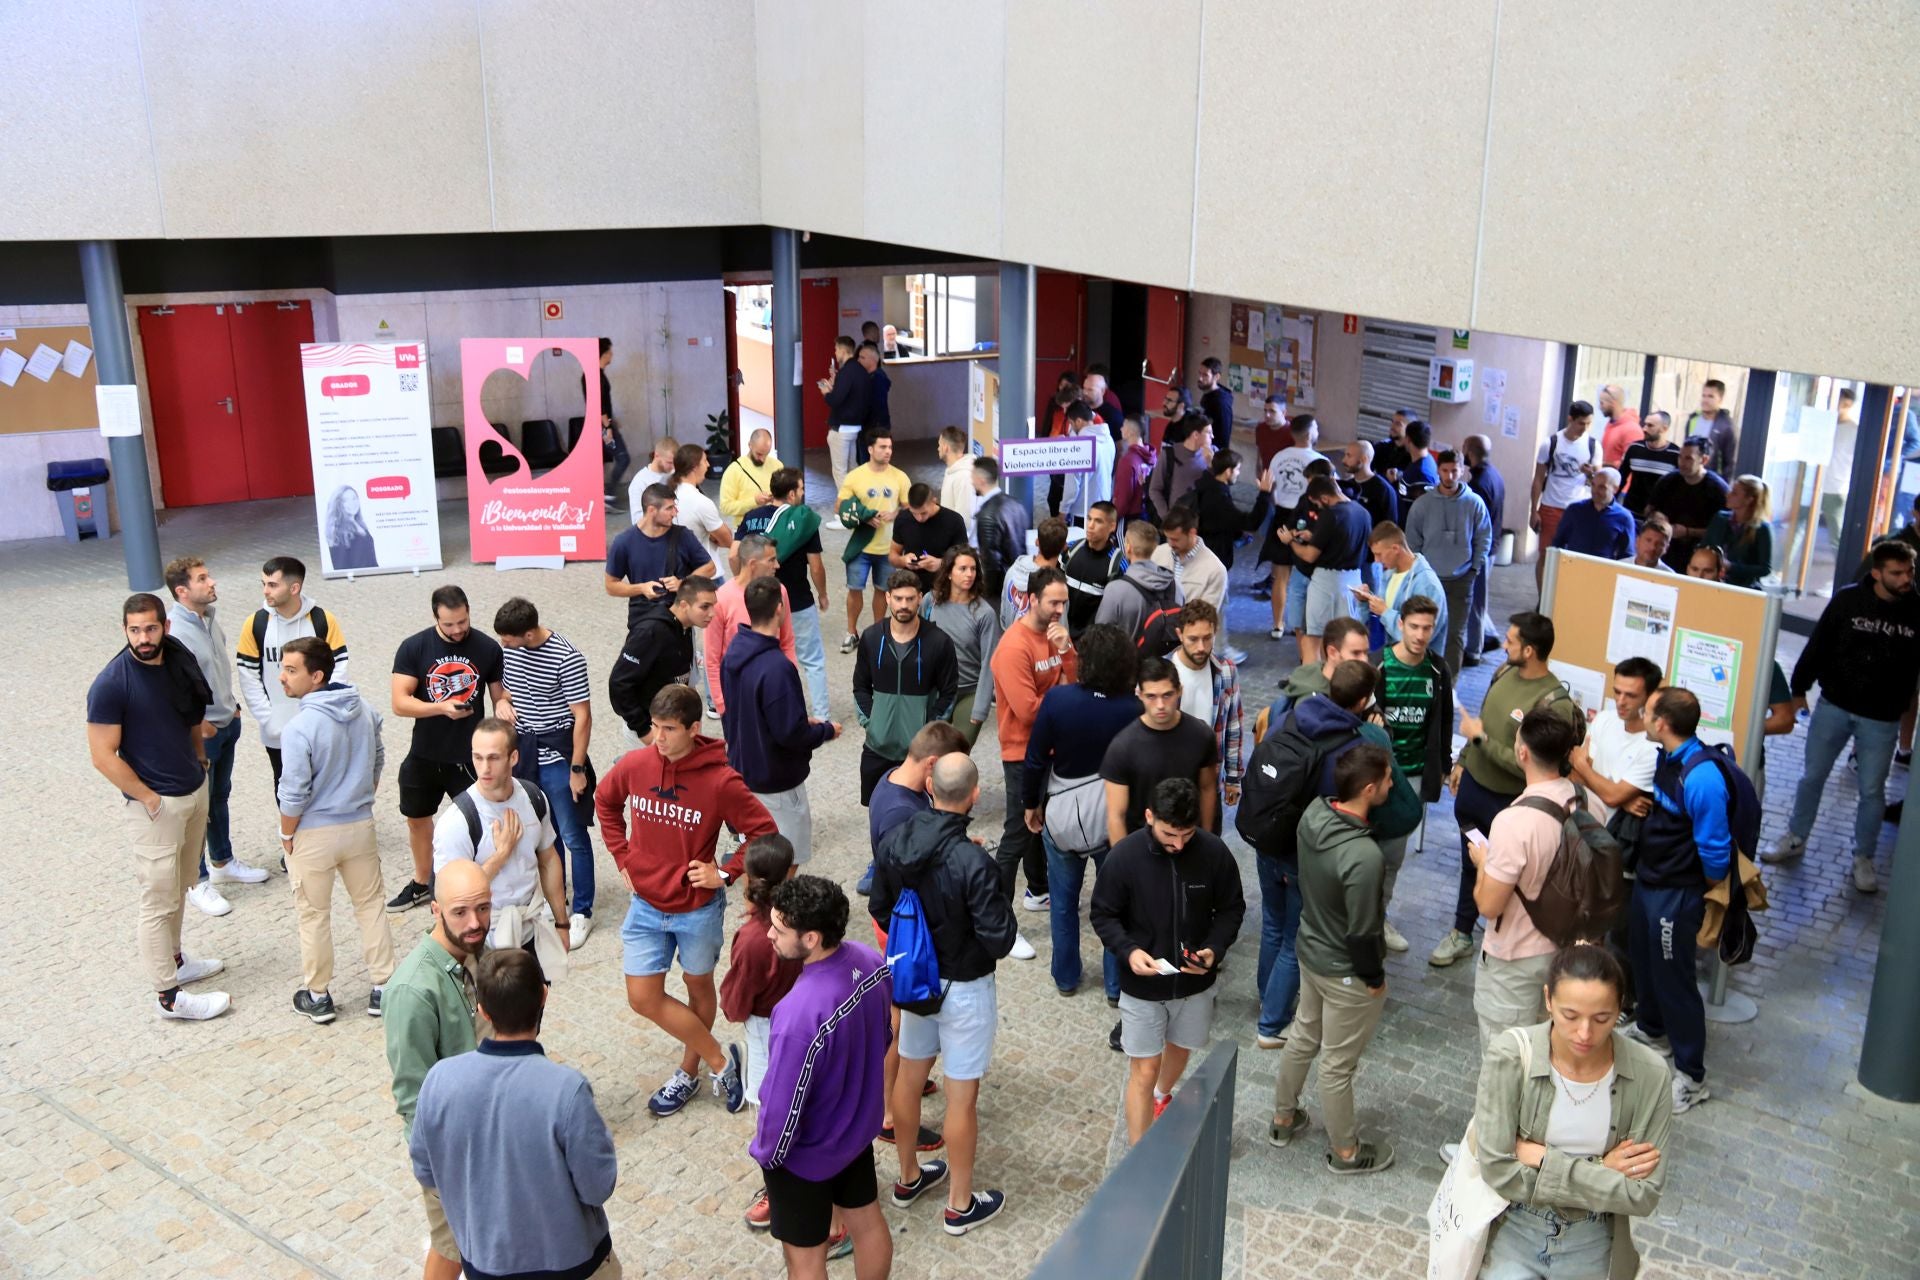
973	624
349	541
1572	1120
1744	531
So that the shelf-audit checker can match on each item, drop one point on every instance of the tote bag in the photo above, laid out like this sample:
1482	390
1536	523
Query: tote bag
1076	816
1464	1207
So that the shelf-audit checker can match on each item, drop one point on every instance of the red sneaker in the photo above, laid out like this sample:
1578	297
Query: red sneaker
759	1214
1160	1105
930	1088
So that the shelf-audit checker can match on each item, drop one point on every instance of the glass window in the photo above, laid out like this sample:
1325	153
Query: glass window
1599	367
1811	439
944	315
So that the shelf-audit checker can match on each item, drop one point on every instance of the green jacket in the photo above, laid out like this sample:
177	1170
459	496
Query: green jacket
1491	762
1341	916
1514	1103
428	1008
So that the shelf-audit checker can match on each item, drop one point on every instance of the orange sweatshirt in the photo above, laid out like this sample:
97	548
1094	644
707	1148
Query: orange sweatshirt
1025	666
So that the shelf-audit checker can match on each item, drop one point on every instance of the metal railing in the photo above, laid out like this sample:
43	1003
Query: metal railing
1162	1213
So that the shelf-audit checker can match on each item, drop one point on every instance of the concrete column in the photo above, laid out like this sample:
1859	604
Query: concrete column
789	434
1856	532
1016	363
1890	1054
127	455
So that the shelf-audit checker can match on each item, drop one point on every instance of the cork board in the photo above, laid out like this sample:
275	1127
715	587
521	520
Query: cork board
63	402
1580	595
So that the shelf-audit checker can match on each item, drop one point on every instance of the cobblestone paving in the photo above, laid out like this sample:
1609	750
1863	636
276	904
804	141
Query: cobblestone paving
259	1145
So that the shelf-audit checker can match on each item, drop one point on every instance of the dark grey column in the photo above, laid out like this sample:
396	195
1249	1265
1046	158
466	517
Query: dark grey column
1756	421
789	435
1890	1055
113	352
1016	363
1868	463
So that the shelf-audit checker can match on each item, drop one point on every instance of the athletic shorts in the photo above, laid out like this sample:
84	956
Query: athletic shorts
802	1210
651	937
961	1034
1148	1026
425	783
1330	596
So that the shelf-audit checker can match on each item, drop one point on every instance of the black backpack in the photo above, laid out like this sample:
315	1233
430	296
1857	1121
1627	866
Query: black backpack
258	625
471	811
1586	887
1281	780
1158	633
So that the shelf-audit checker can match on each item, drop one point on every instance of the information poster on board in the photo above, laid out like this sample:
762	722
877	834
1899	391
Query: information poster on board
370	430
557	513
1641	624
1709	666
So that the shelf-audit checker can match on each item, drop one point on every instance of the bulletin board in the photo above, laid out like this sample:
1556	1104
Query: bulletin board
1712	639
63	402
1269	350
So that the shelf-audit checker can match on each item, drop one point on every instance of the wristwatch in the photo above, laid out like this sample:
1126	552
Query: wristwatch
579	768
725	879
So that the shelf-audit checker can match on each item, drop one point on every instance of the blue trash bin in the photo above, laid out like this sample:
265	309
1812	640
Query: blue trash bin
79	488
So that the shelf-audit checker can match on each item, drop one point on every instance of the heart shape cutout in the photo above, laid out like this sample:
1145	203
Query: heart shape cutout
497	455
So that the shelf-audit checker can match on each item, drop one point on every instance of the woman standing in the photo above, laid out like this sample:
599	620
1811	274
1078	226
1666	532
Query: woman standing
1571	1131
1744	532
973	625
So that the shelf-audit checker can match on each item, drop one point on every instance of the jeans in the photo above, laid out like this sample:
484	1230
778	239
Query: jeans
618	459
220	753
1463	629
1278	972
571	831
807	646
1393	853
1066	872
1827	732
1661	927
1473	806
1482	626
1533	1240
1019	847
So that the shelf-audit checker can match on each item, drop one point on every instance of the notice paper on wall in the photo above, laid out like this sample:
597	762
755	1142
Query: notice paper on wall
44	361
11	363
119	408
1641	623
74	362
1510	422
1493	394
1709	667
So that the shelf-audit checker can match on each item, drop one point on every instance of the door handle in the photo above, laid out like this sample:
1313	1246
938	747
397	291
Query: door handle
226	403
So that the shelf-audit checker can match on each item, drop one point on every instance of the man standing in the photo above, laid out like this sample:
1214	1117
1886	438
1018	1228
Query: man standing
429	1012
1372	492
1222	523
513	1144
288	615
1416	701
1336	549
878	489
146	718
1049	548
658	652
1144	589
971	922
1131	468
1166	1014
1622	431
553	700
1649	461
1686	843
770	741
879	390
1198	571
1210	693
1288	468
333	760
646	563
999	529
1450	526
794	529
661	809
748	480
1714	424
1216	400
848	394
618	459
1420	472
1617	761
1163	743
1391	457
956	480
1560	476
904	675
1091	565
1689	498
191	621
438	676
1345	641
659	470
1598	528
1343	969
757	561
820	1099
1408	574
921	540
1485	480
1034	655
1865	656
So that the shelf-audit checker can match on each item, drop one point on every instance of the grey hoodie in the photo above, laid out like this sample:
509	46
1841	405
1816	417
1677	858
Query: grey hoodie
1453	533
331	757
1150	586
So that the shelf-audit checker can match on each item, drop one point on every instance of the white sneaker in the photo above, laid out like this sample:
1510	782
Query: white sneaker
234	871
194	968
1688	1093
208	899
1396	941
1238	657
189	1006
1790	849
579	927
1863	878
1455	946
1266	1041
1032	901
1276	634
1448	1150
1022	949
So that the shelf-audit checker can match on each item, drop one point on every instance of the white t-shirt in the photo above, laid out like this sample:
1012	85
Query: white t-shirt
1624	757
1566	484
1196	691
644	478
519	881
1289	471
1577	1123
698	513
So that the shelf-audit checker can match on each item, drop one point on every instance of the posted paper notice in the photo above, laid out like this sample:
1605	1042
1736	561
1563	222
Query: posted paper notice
11	363
75	360
1709	666
45	360
1641	623
1588	687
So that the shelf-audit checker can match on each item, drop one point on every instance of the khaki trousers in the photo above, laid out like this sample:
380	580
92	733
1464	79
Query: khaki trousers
1336	1020
166	862
318	854
1509	993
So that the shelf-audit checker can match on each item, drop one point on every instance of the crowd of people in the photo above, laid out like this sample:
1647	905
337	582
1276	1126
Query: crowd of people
1095	642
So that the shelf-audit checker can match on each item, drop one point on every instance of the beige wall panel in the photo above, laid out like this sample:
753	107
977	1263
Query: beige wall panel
810	56
614	113
935	92
276	118
1342	166
1756	206
1100	136
77	163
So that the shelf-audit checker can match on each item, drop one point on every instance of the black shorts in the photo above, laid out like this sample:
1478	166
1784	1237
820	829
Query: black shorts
425	783
873	767
803	1210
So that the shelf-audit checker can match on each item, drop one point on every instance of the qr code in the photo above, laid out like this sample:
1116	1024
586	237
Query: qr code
409	382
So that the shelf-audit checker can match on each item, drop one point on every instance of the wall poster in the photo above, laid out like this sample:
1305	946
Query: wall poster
370	430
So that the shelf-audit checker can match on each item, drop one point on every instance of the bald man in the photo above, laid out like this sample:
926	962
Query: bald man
1622	431
429	1010
748	480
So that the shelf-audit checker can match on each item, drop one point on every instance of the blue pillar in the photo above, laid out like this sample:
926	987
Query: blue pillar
789	433
127	455
1016	363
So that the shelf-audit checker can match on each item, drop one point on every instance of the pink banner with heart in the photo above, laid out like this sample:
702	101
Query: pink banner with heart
557	512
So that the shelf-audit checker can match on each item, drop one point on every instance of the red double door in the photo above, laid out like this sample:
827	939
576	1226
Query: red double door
229	407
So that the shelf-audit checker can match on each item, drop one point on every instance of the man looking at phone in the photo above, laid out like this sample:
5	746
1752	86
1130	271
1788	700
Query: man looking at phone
1408	574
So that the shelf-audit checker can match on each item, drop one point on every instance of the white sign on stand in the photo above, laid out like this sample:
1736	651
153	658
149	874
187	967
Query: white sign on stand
370	426
1050	455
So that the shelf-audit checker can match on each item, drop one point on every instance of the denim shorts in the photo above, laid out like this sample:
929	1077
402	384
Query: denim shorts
862	567
652	936
961	1034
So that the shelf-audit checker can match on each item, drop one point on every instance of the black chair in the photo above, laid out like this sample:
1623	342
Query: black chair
540	444
449	458
574	427
496	462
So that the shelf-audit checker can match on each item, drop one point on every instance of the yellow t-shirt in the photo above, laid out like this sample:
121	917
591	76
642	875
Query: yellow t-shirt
882	489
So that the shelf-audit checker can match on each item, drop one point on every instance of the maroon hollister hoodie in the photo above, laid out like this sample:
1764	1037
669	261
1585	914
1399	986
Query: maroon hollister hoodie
658	815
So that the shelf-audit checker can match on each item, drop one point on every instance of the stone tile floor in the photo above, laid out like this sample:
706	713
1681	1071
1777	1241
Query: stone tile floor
261	1146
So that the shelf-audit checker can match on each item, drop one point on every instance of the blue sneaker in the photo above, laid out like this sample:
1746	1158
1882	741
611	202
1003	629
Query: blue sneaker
932	1174
985	1205
673	1095
727	1083
865	886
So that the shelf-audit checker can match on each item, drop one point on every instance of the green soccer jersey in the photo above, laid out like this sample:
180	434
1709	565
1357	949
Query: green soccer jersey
1407	700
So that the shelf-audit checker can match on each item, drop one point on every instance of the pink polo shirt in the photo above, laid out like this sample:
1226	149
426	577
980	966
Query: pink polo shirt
1521	845
729	615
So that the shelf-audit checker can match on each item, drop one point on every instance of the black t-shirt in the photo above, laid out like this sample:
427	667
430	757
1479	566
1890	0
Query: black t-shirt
1690	506
1140	758
156	741
931	537
448	672
793	573
1341	533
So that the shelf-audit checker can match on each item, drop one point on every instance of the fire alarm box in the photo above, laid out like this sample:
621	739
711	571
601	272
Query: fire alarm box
1449	381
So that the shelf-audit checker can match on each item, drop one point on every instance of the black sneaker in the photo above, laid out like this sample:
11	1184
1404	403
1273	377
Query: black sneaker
411	895
932	1174
317	1009
929	1139
1113	1041
373	1002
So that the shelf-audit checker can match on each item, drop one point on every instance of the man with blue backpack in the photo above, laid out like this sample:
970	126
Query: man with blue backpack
939	897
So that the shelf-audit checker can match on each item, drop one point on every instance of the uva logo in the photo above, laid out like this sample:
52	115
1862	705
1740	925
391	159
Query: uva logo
451	680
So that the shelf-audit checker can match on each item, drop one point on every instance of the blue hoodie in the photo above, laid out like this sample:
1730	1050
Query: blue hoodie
331	757
1420	580
1319	716
770	741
